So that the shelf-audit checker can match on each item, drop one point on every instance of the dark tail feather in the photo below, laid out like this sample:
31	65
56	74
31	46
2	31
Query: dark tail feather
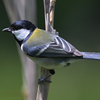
91	55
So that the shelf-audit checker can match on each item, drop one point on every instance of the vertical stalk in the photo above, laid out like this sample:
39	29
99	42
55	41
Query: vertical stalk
43	88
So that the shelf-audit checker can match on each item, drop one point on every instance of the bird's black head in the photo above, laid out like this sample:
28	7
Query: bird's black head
21	29
22	24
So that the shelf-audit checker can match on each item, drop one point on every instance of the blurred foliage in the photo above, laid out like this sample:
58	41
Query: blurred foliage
77	21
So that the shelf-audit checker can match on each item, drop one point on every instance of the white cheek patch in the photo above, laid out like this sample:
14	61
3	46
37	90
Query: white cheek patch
21	34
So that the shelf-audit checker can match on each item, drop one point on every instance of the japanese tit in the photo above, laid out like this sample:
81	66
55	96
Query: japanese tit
46	49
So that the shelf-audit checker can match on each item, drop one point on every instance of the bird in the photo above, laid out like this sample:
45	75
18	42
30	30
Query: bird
46	49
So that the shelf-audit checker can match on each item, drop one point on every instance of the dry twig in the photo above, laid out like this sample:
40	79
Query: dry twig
43	88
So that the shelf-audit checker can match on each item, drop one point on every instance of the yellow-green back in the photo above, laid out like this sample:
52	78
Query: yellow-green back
40	37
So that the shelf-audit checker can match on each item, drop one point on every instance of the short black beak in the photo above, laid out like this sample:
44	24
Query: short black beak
6	30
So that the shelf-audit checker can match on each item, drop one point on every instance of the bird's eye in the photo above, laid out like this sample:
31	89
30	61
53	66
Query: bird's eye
16	27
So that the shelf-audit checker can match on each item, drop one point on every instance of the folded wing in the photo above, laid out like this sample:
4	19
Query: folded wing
60	48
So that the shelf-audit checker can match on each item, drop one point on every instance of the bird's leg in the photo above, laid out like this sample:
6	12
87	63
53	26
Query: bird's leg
52	72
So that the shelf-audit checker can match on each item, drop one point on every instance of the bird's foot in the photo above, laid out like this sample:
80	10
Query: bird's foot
52	72
41	80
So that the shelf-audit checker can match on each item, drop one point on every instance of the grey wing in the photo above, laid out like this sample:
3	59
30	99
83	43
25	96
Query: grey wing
60	48
33	51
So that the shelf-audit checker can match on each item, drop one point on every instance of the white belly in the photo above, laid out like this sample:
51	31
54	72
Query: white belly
52	63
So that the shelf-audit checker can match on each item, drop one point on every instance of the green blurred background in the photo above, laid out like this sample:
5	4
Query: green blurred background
77	21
